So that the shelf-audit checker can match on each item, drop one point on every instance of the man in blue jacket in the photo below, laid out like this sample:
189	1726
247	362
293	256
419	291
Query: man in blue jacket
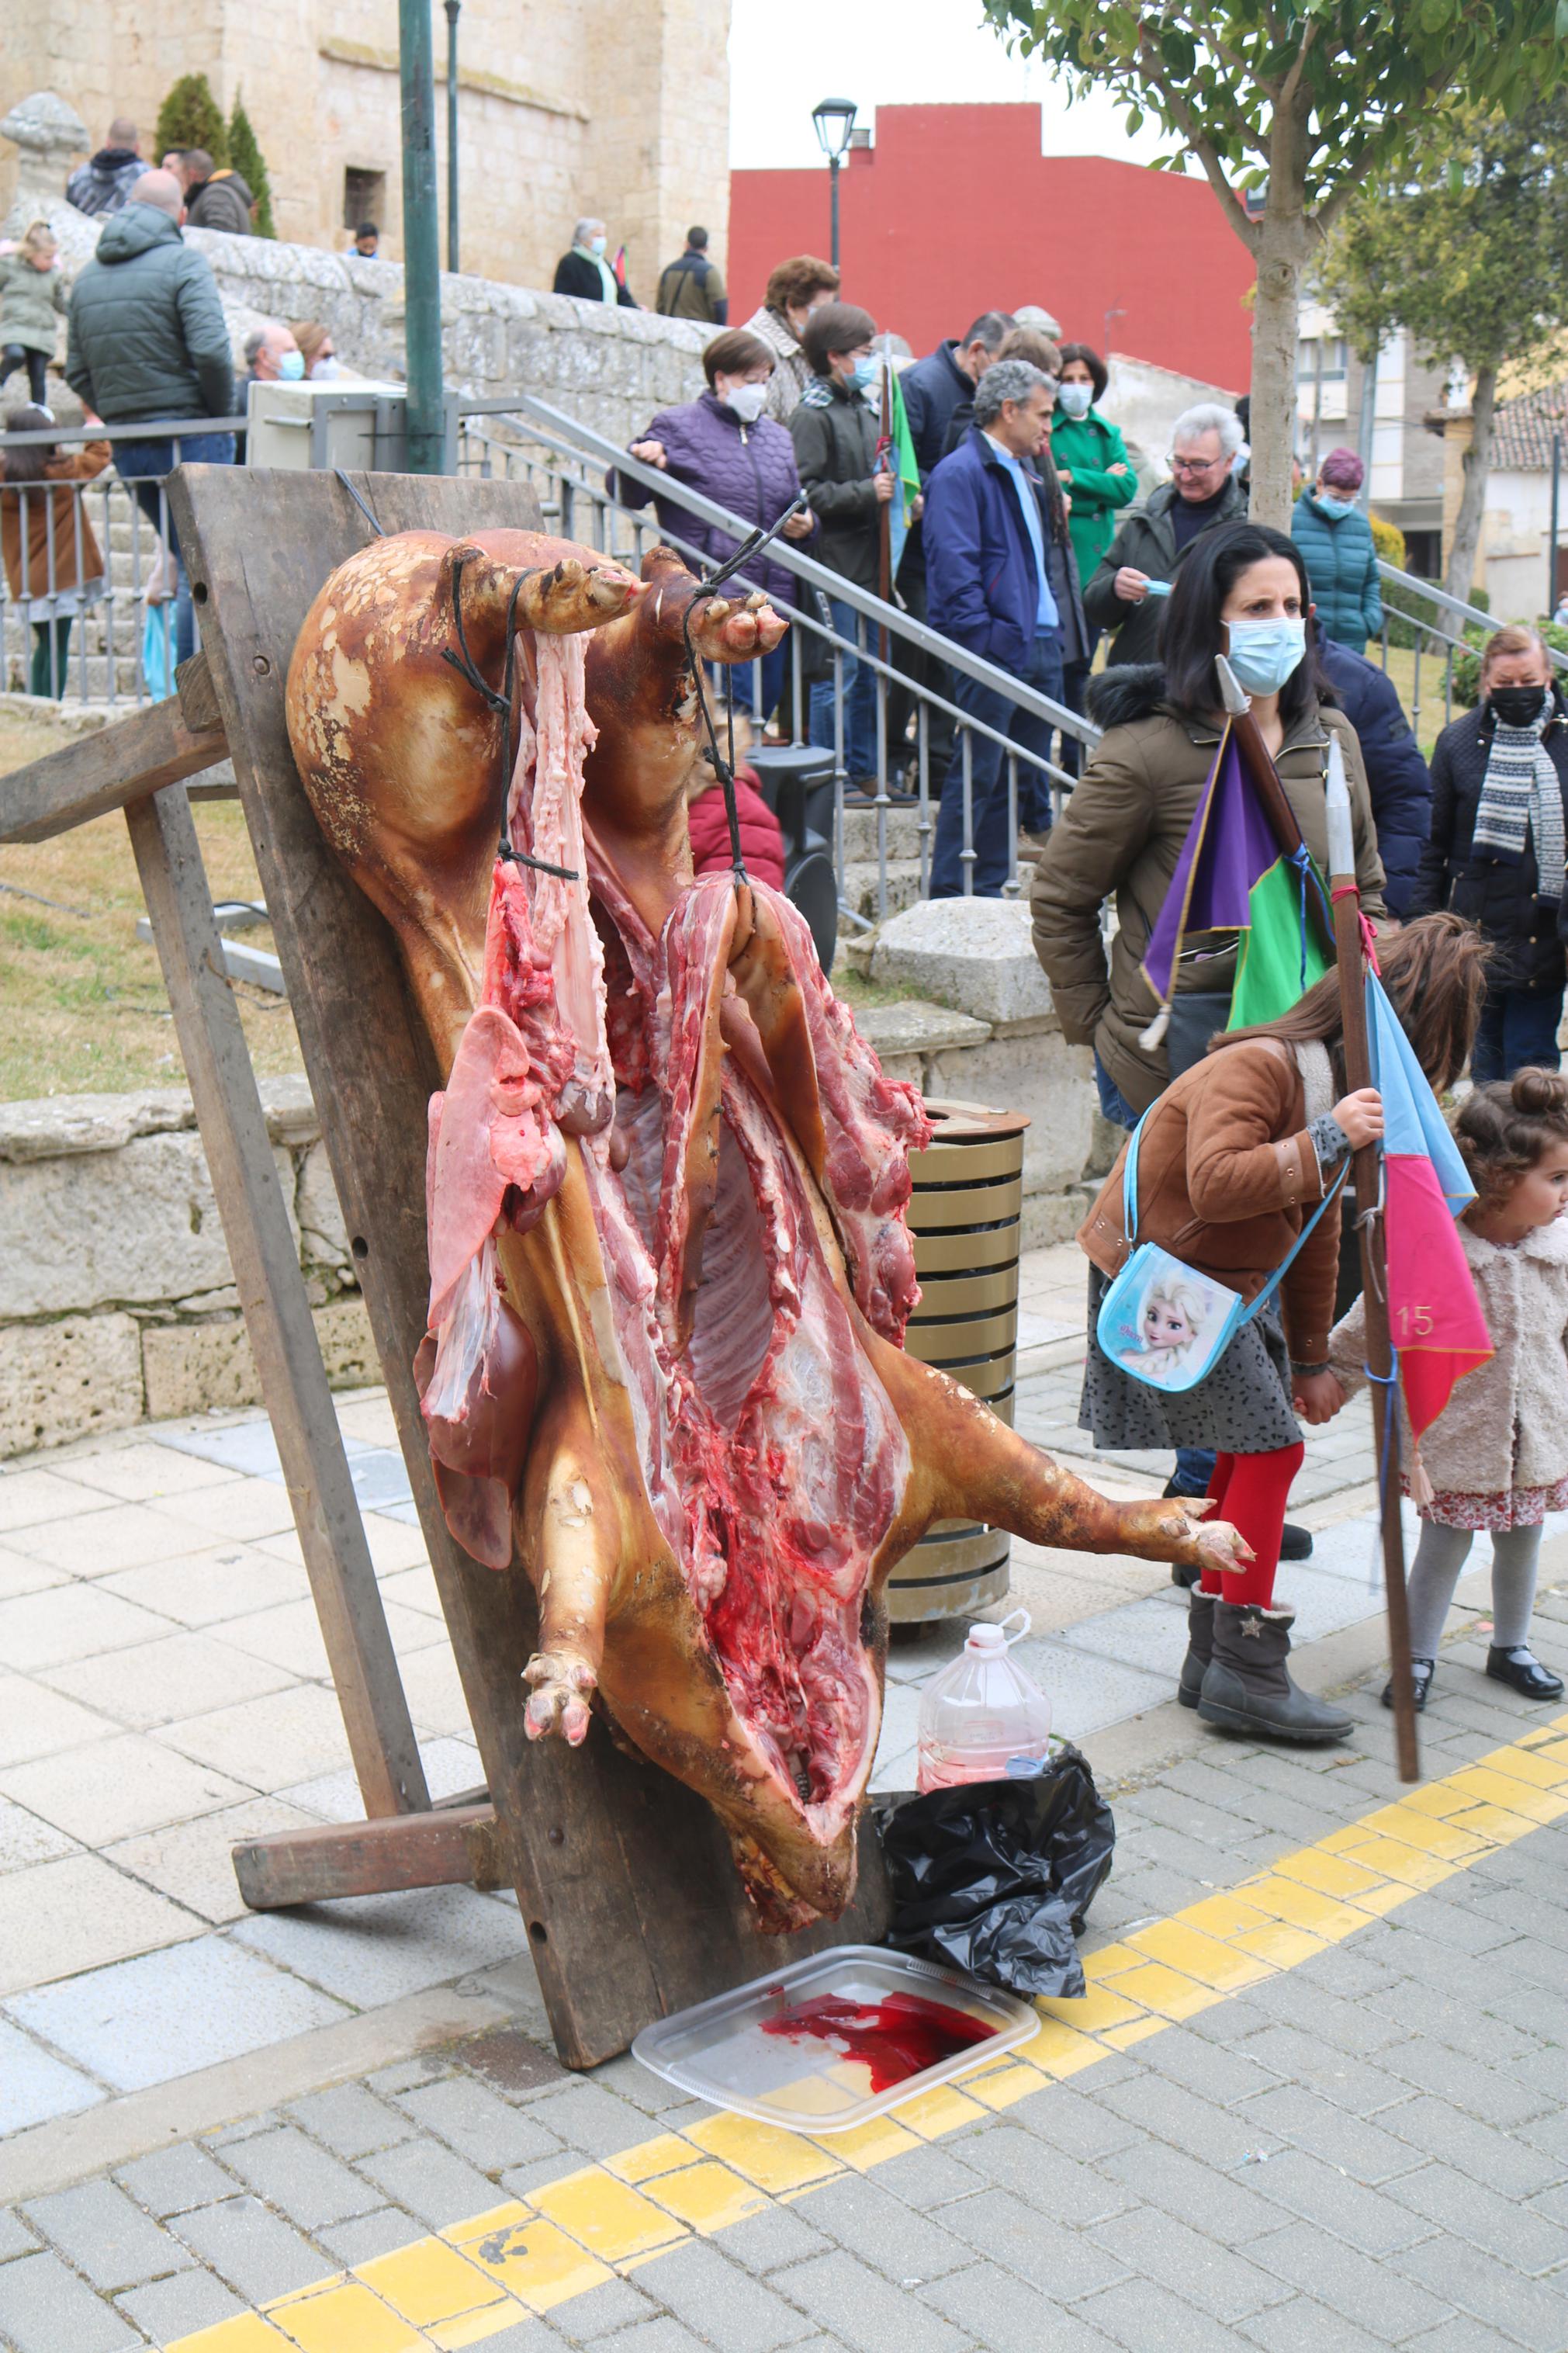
1397	774
988	579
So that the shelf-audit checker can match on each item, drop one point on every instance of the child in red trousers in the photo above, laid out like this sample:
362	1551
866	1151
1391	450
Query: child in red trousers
1234	1158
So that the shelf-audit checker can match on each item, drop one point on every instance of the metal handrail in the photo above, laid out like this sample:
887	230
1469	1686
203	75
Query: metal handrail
1446	604
165	429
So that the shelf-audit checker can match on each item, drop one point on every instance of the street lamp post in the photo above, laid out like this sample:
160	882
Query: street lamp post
454	10
835	120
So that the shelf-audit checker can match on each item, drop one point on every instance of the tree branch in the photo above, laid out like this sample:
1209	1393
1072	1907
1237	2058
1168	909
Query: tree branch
1202	146
1292	81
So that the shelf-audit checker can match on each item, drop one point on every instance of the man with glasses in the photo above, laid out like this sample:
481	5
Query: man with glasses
1157	533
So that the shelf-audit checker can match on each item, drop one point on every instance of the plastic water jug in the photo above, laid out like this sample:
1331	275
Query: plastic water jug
982	1712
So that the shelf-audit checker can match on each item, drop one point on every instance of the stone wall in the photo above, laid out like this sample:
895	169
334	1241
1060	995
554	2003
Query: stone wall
117	1300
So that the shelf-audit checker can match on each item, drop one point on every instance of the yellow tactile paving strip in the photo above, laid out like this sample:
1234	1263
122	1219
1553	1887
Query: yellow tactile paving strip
468	2283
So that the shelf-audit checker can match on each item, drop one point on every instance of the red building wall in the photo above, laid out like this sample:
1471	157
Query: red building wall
955	210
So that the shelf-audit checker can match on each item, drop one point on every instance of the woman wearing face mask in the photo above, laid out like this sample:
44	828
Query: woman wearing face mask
834	431
796	288
1335	538
585	272
726	446
1242	592
1500	794
316	349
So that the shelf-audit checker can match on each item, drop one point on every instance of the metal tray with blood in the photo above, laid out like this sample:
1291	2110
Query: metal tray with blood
834	2039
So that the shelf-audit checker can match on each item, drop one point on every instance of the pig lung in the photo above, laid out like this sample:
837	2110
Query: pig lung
666	1178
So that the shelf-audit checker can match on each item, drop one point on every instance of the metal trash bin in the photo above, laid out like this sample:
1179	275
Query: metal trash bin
965	1218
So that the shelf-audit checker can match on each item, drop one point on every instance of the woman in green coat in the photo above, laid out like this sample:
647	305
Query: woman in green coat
1099	479
1335	540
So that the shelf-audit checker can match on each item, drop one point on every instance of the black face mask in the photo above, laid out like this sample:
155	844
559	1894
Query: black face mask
1517	706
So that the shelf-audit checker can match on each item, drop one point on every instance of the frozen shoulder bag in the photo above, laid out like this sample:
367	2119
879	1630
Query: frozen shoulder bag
1164	1323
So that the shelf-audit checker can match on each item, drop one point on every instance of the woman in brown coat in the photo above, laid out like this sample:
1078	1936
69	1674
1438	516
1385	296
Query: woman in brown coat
53	567
1233	1160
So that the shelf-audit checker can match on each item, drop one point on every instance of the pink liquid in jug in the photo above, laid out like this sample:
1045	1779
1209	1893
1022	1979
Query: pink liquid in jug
981	1711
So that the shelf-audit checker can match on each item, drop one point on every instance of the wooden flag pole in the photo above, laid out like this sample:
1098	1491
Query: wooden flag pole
1349	952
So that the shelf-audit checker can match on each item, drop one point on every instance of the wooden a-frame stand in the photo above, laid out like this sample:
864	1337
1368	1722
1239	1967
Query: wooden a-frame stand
622	1877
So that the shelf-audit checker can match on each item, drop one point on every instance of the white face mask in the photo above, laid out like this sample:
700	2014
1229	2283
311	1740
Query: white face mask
597	247
324	370
747	401
1075	399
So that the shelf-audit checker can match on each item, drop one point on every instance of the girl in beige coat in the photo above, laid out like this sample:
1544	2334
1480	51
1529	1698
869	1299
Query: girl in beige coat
1498	1454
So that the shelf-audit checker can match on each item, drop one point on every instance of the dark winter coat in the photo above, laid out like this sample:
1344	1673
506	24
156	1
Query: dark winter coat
1147	542
148	337
834	437
105	184
578	273
223	203
933	389
750	469
1397	774
1120	836
29	301
692	287
981	586
1342	565
1086	448
1497	893
762	836
981	581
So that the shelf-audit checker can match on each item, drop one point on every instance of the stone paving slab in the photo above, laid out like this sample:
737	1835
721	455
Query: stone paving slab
1297	2112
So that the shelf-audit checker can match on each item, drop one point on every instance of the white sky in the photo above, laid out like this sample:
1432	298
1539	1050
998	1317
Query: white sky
784	55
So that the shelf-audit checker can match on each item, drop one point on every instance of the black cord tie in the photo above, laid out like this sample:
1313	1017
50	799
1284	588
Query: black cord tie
363	508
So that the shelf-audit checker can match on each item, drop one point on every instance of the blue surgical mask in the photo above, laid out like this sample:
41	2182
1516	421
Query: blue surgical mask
1075	399
865	374
1332	498
597	247
1264	653
291	366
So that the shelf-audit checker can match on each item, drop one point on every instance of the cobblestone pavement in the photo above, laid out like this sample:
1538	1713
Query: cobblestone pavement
1328	2110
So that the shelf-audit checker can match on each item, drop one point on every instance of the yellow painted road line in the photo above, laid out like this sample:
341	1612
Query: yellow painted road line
464	2284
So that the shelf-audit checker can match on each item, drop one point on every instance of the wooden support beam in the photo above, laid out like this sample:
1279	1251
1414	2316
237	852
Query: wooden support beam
451	1846
277	1311
162	743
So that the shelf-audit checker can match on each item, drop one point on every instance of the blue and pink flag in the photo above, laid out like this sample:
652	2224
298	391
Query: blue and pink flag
1233	876
1435	1319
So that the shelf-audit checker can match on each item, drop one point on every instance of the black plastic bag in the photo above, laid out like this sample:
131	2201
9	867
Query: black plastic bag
995	1877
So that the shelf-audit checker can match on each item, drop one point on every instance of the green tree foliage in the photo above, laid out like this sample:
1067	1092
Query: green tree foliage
246	157
191	116
1305	99
1467	251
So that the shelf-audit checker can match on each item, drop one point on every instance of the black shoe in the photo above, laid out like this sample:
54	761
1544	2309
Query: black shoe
1523	1673
1295	1544
1247	1687
1421	1673
1180	1573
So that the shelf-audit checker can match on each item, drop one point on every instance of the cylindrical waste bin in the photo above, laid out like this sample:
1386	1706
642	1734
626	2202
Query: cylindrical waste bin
964	1217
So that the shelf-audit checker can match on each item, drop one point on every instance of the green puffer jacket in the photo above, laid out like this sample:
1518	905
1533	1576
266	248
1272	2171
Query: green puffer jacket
1342	565
148	337
29	299
1085	449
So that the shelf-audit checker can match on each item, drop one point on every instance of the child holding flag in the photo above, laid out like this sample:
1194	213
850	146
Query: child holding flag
1234	1159
1498	1453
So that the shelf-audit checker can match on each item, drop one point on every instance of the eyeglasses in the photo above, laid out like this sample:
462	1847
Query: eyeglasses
1192	465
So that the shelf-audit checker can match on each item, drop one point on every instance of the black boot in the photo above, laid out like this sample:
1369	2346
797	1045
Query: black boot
1200	1647
1295	1543
1421	1673
1247	1687
1523	1673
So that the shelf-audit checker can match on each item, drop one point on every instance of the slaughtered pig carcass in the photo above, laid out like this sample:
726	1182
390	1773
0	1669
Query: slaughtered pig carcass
670	1271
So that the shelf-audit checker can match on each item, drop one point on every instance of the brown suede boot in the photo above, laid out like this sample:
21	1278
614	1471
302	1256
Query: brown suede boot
1248	1686
1200	1646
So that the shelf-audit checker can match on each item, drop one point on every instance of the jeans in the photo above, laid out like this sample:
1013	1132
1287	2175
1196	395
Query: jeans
47	675
15	356
741	679
1194	1464
859	701
142	466
1518	1026
989	804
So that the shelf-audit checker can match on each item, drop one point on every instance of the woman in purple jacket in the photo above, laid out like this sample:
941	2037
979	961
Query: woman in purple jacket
725	447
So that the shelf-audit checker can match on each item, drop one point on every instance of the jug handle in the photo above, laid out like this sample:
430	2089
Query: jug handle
1012	1616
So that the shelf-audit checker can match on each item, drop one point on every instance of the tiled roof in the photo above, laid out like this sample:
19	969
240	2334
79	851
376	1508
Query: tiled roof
1522	428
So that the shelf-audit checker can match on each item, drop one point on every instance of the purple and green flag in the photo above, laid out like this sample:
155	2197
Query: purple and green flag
1233	876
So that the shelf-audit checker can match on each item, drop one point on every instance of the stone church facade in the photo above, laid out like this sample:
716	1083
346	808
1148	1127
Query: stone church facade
565	107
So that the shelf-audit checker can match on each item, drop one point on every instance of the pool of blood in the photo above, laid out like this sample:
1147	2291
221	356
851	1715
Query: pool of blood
894	2039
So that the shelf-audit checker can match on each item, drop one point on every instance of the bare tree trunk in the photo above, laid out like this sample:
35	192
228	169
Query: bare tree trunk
1473	500
1273	421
